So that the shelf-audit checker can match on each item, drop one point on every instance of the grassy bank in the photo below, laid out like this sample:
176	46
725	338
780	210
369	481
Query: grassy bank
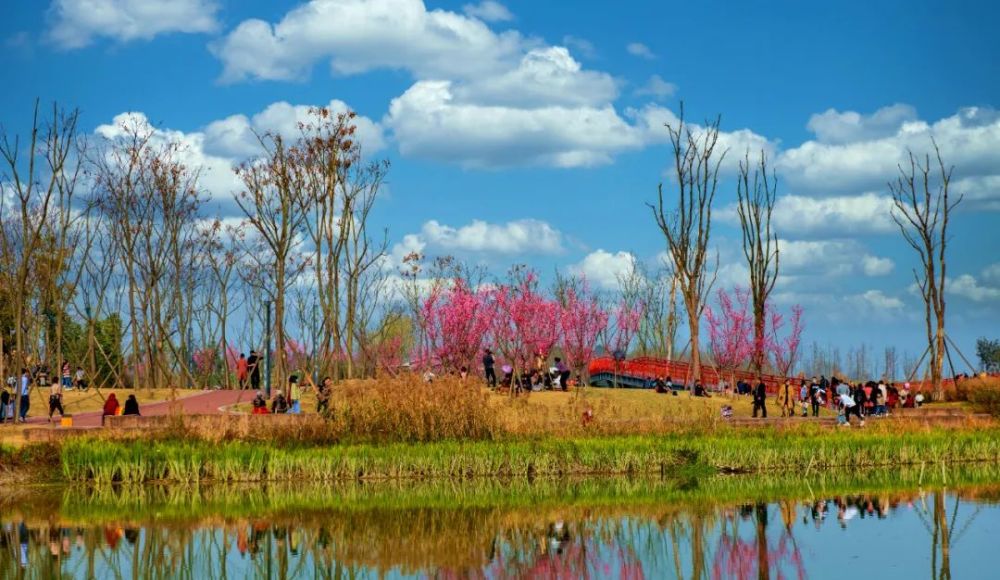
760	451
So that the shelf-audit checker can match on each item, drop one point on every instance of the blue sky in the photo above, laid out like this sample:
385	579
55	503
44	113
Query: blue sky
532	132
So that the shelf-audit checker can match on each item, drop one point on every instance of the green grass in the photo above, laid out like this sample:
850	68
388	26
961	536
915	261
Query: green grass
757	451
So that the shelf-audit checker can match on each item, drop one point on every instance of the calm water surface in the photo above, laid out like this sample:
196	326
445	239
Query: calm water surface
930	533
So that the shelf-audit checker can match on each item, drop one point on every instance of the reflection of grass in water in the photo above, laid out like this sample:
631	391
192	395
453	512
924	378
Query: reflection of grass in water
105	461
446	525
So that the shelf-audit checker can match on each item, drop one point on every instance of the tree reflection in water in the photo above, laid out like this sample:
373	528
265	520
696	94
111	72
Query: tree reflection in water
649	540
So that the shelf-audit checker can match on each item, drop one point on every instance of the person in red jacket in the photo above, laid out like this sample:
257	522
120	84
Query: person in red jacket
242	371
111	405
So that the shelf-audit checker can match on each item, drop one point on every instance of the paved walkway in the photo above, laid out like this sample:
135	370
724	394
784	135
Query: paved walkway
203	403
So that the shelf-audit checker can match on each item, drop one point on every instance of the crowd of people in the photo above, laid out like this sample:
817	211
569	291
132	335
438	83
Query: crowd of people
39	379
291	403
537	377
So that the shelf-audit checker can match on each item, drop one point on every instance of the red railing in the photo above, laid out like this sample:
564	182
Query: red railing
680	371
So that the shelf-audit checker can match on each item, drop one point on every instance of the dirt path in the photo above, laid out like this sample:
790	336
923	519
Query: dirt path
204	403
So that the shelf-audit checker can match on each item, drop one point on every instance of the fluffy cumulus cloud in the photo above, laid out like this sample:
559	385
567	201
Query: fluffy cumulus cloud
876	266
854	152
361	35
75	23
868	213
834	127
604	269
236	135
429	122
877	301
984	288
547	76
830	259
488	11
518	237
480	98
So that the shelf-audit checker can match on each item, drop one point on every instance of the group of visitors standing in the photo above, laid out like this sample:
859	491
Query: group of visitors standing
868	399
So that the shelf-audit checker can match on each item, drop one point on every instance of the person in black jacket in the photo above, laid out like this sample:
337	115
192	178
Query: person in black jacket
491	374
131	406
759	398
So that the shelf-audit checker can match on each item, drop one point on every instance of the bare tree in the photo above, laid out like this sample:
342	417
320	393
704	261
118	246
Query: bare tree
921	210
757	194
687	227
890	363
33	186
272	201
152	203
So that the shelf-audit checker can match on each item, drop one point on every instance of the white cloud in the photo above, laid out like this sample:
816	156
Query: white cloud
877	300
876	266
604	269
361	35
428	122
657	88
75	23
488	11
545	77
832	126
235	136
967	286
858	153
526	236
867	213
216	173
640	50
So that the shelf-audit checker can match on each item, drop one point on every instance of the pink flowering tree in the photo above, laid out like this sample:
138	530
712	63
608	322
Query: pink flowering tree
457	320
583	321
785	350
525	323
204	362
730	330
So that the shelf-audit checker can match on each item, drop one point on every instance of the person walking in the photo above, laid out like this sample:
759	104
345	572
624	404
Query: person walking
56	394
759	399
25	398
488	370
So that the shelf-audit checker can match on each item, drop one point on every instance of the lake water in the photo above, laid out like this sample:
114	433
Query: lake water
594	530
